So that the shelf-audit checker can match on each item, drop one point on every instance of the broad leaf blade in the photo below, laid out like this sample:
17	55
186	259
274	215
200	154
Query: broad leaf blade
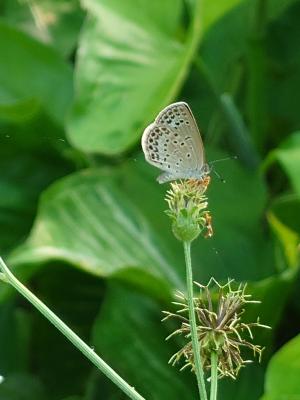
109	221
282	377
88	221
126	69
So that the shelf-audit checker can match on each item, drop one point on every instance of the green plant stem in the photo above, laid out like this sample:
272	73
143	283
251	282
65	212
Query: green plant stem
214	375
8	277
192	318
193	41
239	137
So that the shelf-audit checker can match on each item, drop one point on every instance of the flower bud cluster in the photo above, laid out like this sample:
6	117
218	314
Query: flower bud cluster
188	209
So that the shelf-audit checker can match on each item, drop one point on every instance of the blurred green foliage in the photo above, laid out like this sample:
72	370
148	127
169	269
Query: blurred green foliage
81	214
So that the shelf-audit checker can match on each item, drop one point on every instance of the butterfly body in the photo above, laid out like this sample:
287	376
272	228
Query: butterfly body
173	144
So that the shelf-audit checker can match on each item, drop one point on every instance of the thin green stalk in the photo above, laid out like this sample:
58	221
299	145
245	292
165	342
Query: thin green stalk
8	277
239	137
214	375
191	46
192	318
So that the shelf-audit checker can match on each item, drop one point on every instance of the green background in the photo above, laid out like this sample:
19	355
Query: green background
81	214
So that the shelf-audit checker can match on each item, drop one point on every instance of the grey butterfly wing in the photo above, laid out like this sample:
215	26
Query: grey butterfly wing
173	143
160	152
179	117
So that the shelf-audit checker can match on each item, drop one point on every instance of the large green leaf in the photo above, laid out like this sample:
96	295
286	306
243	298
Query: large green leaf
212	11
89	220
111	221
130	64
30	70
287	228
282	377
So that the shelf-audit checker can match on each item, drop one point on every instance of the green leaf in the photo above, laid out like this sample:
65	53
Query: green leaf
102	222
135	77
273	294
288	156
282	377
19	111
88	220
132	51
214	10
139	64
30	70
130	336
236	232
287	228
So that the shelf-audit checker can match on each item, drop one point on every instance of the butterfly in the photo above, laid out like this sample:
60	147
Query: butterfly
173	144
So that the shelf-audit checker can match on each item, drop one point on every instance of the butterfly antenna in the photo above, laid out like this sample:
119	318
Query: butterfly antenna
224	159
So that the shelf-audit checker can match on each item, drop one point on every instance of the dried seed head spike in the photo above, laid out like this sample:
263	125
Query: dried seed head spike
219	327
